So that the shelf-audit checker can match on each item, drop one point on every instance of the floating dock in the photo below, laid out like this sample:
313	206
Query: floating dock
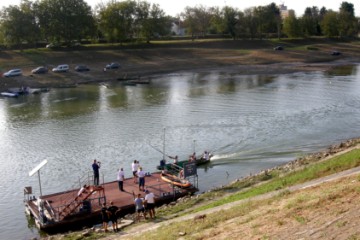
67	210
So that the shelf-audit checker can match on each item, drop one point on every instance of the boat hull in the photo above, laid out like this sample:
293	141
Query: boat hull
182	183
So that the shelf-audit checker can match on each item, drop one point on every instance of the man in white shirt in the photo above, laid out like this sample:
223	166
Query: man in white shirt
120	178
134	168
150	203
141	176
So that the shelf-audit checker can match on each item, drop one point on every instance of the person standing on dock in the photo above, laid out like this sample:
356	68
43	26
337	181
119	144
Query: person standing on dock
150	203
134	167
120	178
96	167
141	174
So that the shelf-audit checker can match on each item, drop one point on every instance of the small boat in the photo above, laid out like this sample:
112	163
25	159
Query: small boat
38	90
199	161
128	83
9	94
174	180
19	91
140	81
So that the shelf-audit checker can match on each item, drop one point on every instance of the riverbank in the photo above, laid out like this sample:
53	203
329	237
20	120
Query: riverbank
322	206
150	61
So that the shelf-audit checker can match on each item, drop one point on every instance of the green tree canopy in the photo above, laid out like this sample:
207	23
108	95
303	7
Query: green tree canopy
18	24
65	20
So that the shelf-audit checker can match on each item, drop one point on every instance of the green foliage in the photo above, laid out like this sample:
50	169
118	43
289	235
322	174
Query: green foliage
65	20
18	24
292	26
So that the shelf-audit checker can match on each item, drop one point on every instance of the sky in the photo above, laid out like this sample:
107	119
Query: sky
173	8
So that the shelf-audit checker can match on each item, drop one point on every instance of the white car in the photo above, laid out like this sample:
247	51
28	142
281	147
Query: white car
13	73
61	68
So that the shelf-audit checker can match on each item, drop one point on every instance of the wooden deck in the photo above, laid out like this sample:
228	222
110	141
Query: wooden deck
55	203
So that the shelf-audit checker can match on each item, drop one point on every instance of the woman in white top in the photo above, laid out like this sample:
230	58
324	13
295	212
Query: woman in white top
134	168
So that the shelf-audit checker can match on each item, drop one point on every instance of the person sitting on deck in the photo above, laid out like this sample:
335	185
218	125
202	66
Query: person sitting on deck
206	156
175	159
82	190
194	156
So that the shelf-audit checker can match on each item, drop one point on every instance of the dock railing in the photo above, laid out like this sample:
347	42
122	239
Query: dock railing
71	200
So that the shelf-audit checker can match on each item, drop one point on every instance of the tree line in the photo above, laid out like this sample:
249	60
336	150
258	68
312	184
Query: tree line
67	21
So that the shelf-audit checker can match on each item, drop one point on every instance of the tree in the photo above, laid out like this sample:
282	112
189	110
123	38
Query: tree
230	20
273	16
250	23
151	21
190	21
18	24
117	20
310	21
330	23
292	27
348	25
65	20
198	19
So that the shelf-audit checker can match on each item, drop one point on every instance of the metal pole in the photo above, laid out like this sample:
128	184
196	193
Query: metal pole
194	146
39	182
164	145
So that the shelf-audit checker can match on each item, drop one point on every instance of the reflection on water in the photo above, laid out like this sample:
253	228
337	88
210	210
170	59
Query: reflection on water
347	70
249	122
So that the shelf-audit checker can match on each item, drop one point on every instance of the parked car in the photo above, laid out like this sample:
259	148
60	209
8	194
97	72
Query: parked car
112	65
277	48
82	68
53	45
39	70
61	68
12	73
335	53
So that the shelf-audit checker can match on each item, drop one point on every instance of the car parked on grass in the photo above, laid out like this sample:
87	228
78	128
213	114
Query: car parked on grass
39	70
13	73
279	48
335	53
113	65
82	68
53	45
61	68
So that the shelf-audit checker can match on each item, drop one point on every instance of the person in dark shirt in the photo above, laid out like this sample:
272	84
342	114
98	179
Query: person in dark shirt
105	216
96	167
113	210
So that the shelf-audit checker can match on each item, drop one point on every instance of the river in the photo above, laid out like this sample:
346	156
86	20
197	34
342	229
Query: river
250	123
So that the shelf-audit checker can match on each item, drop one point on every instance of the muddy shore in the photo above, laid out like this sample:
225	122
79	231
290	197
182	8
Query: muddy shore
239	58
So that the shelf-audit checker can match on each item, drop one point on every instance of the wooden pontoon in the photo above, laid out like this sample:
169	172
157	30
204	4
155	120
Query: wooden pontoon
67	210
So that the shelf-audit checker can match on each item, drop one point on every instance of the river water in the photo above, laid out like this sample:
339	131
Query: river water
250	123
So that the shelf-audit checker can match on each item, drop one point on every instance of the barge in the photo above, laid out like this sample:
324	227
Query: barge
70	210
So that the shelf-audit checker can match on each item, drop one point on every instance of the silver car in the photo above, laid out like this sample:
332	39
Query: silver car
13	73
